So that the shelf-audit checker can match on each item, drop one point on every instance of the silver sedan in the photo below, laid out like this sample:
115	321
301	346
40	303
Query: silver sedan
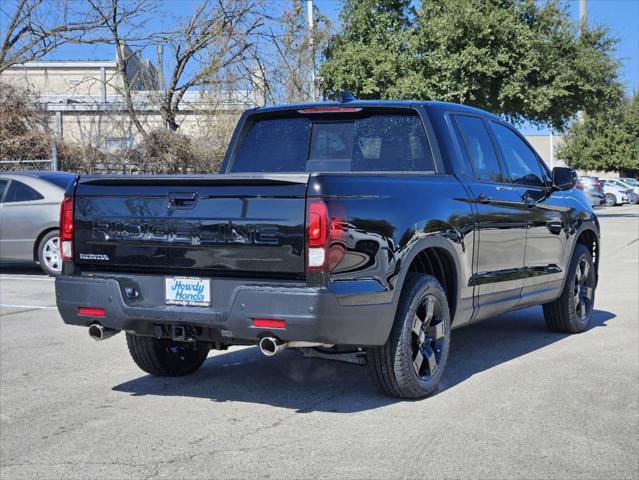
29	217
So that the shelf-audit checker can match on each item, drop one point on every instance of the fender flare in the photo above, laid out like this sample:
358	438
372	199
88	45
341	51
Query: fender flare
431	241
588	225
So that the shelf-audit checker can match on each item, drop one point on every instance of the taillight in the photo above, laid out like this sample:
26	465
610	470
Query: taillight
66	228
325	237
579	185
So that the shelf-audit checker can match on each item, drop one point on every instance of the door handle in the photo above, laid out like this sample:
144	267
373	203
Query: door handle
529	201
483	198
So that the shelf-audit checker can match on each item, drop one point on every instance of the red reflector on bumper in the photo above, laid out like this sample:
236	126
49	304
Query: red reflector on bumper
91	312
268	323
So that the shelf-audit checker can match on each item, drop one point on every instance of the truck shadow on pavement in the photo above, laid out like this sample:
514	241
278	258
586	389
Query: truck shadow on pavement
305	385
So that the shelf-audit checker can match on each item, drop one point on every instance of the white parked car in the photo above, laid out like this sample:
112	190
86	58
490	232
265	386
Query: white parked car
626	183
616	195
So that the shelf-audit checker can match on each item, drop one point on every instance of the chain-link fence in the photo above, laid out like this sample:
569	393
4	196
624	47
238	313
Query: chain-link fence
21	165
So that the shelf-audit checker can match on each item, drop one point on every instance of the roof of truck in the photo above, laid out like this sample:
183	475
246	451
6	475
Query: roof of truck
431	105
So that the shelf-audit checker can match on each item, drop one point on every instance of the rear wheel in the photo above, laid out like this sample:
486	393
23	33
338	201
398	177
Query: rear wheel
49	254
164	357
411	362
611	200
572	311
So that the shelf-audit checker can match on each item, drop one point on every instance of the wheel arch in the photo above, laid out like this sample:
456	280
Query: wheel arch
36	244
587	235
590	239
437	257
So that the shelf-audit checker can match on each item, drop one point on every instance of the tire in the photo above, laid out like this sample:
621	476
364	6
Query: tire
163	357
572	311
49	254
395	367
611	200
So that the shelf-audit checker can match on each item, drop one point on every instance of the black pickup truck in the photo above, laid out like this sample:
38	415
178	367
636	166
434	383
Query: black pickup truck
358	231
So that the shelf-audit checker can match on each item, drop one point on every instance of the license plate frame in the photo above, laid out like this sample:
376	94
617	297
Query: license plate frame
187	291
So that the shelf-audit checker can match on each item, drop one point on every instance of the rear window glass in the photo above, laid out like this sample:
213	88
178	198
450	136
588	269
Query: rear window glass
374	143
3	187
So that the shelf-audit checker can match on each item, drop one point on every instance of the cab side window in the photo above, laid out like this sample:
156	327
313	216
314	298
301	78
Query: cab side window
519	159
19	192
480	148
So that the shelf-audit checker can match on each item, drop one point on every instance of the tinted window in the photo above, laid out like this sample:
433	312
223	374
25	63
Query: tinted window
19	192
61	180
373	143
480	149
274	145
391	143
521	162
3	186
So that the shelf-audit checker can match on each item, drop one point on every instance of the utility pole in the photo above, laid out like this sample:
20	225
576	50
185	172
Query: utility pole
311	46
582	15
582	28
160	54
552	150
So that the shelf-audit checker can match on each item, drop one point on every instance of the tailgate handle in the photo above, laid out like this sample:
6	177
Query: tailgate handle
182	200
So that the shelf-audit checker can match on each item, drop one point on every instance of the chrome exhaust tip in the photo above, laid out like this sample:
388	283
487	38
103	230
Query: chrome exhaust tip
271	346
97	332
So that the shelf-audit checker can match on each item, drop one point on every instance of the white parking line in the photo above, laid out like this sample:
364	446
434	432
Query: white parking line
39	307
25	277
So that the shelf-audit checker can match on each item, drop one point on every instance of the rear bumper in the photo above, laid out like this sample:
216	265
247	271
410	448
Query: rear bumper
311	314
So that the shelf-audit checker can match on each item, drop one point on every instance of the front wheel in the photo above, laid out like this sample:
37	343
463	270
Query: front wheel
611	200
572	311
411	362
164	357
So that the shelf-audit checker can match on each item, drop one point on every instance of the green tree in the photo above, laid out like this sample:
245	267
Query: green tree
606	141
518	58
369	55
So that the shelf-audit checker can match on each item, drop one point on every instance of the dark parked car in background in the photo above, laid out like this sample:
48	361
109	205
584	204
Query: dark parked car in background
29	217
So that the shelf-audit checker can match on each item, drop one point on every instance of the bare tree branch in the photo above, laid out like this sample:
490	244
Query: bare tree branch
36	28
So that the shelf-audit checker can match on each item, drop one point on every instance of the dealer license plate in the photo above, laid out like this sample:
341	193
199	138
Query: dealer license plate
188	291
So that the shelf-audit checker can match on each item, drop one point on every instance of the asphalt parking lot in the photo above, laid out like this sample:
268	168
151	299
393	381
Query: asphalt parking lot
518	401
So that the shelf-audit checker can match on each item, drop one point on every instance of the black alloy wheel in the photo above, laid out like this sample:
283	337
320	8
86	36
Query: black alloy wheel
411	363
427	337
583	290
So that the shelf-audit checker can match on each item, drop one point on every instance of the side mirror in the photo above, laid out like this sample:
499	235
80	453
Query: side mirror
563	178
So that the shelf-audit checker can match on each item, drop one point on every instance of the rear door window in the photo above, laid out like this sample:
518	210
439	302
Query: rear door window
372	143
19	192
480	148
520	160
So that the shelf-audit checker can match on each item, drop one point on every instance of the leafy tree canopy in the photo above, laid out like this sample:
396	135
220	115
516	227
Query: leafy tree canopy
607	141
518	58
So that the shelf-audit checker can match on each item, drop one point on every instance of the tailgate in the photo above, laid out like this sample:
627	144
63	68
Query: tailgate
247	224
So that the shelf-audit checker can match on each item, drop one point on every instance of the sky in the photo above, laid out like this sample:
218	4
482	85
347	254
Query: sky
620	16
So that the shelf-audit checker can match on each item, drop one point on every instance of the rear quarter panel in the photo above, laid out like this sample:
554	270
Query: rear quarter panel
390	218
